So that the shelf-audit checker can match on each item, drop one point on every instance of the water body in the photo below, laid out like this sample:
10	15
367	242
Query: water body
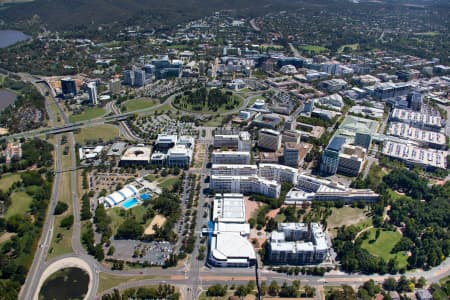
6	98
10	37
66	284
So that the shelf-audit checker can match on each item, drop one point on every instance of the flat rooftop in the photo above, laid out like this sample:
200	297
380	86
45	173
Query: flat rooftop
229	208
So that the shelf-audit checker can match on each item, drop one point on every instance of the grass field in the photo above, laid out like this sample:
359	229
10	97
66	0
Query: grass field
6	181
353	47
347	215
140	103
20	203
167	183
117	219
62	245
106	132
87	114
313	48
215	121
108	281
206	110
384	244
429	33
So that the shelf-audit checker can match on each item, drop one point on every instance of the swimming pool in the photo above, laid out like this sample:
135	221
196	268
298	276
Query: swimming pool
145	197
130	203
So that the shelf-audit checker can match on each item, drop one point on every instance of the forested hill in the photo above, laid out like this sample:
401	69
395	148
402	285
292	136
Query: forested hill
66	13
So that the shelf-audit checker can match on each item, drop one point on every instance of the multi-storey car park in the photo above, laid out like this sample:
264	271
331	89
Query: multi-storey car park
424	137
412	154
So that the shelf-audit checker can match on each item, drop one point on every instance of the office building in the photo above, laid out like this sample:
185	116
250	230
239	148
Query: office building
387	90
351	160
333	101
269	139
179	156
245	185
115	86
139	155
291	136
333	85
92	92
308	106
291	154
269	121
231	157
278	173
311	188
128	77
234	170
330	157
139	78
415	101
68	87
240	142
297	244
165	142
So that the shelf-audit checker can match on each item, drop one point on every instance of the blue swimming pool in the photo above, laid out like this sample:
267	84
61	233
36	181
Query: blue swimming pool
130	203
145	197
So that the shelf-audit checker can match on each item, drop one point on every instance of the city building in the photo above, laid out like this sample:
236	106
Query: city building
367	111
417	119
269	121
278	173
165	142
291	136
234	170
68	87
330	157
351	160
311	188
333	101
13	151
240	142
116	149
291	154
231	157
139	155
412	154
269	139
245	185
387	90
228	232
425	138
128	77
297	244
115	86
92	92
117	197
415	101
179	156
333	85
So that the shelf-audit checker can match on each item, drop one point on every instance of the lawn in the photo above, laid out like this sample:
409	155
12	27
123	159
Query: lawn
167	183
313	48
6	181
63	244
105	132
108	281
185	106
20	203
88	114
140	103
280	218
117	219
353	47
254	98
428	34
384	244
346	215
214	122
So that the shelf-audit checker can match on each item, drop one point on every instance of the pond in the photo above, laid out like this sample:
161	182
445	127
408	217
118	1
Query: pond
66	284
6	98
10	37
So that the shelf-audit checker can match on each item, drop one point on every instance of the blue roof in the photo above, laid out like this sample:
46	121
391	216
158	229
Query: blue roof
336	144
145	197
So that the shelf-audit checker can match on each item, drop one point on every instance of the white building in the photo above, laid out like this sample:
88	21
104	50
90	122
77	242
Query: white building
246	185
351	160
229	246
231	157
179	156
136	155
92	92
279	173
240	142
298	244
118	197
234	170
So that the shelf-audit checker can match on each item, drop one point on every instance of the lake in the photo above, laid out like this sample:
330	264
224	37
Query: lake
6	98
10	37
70	283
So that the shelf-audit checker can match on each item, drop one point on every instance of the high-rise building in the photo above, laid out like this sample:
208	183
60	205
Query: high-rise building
351	160
231	157
92	92
269	139
330	157
291	154
114	86
128	77
415	101
68	86
139	78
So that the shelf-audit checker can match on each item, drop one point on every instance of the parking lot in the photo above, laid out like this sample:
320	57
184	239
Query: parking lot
154	253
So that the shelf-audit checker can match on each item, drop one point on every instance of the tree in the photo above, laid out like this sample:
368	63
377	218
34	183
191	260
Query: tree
216	290
130	229
274	288
67	222
60	208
